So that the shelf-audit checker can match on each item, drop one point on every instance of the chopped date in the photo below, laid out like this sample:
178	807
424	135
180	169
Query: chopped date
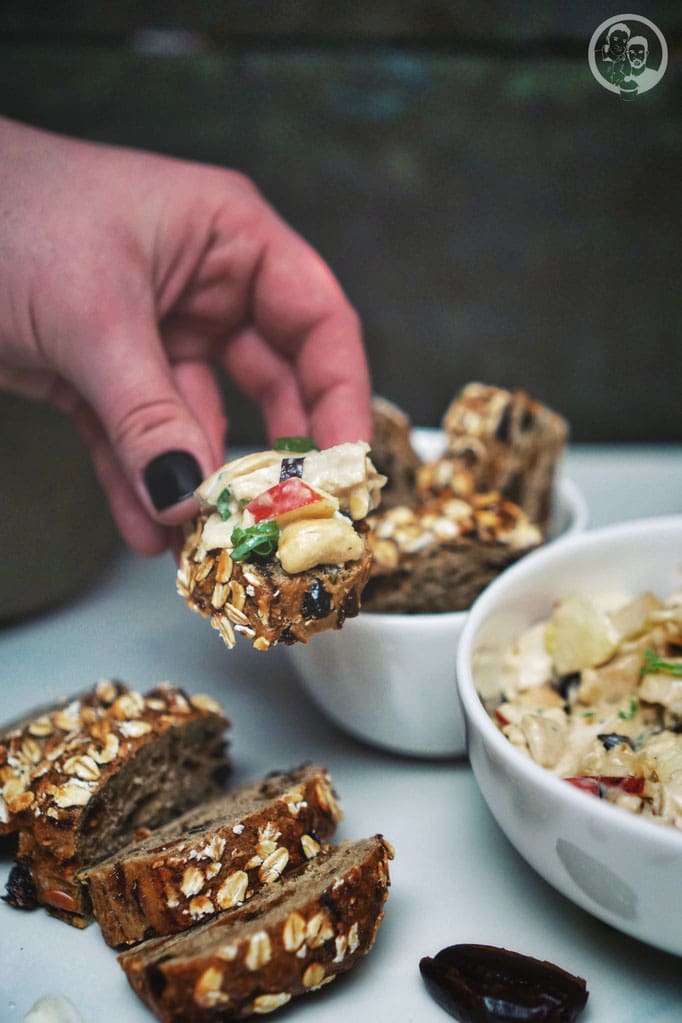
565	683
485	984
21	891
610	740
317	601
291	467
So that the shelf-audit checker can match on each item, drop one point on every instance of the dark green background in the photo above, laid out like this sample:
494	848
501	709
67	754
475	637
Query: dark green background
490	210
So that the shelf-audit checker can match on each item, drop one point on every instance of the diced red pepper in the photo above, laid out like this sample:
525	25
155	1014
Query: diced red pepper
594	783
290	495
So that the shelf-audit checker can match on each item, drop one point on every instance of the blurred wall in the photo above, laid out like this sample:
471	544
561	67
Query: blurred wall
490	210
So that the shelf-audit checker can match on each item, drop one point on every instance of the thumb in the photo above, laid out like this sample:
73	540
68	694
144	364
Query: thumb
161	446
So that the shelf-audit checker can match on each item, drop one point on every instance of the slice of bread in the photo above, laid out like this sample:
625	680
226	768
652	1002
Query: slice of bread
213	857
76	782
259	600
289	939
278	551
484	503
438	556
392	452
510	442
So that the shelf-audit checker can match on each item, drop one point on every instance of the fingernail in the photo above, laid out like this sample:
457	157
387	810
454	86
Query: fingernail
171	477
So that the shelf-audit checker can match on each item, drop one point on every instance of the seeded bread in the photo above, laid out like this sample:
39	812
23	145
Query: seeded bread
506	442
278	551
214	857
439	556
286	941
261	601
472	512
76	783
393	454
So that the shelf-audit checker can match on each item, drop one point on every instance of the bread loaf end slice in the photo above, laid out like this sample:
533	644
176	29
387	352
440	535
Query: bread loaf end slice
89	774
288	940
214	857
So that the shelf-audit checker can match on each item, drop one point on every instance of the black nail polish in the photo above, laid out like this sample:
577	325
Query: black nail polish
171	477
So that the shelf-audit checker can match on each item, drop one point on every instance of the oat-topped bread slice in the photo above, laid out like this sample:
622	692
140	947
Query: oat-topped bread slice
288	940
503	441
278	552
78	782
439	555
213	857
393	454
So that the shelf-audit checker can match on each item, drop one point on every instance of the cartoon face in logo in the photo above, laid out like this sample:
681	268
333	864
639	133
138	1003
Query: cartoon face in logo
628	55
638	51
616	40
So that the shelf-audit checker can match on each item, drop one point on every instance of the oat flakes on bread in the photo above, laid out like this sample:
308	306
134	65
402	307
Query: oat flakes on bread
439	555
478	508
79	780
503	441
213	857
278	552
286	941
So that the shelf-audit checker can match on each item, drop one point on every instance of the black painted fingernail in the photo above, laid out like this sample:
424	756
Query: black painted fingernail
171	477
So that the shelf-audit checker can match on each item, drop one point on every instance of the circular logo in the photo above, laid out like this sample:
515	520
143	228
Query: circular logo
628	55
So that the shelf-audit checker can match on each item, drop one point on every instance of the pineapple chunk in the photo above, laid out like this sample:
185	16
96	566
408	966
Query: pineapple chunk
581	634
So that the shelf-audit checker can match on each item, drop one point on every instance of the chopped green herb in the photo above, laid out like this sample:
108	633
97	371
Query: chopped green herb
260	539
295	444
627	715
589	713
654	663
224	504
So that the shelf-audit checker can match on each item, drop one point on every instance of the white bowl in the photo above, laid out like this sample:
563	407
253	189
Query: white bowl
389	679
622	868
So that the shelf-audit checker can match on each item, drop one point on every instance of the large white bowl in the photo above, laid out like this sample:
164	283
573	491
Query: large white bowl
622	868
389	679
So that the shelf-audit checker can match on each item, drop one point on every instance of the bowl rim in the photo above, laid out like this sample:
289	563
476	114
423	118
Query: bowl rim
632	825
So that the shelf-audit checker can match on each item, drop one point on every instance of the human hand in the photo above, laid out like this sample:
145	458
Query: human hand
125	278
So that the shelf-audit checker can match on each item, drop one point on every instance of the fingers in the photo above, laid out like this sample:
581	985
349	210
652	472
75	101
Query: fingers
136	527
162	448
269	378
302	356
140	532
196	382
298	303
339	395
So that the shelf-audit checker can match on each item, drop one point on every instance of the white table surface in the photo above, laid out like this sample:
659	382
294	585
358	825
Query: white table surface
456	878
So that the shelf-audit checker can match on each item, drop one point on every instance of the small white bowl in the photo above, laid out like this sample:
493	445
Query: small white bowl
622	868
389	679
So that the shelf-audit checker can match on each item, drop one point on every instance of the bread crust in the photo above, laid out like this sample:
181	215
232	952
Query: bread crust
78	778
214	857
282	944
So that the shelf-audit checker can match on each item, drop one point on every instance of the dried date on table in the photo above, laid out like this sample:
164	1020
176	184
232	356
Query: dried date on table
484	984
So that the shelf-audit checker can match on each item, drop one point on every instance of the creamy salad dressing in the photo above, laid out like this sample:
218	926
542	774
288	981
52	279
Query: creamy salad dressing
594	695
344	479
